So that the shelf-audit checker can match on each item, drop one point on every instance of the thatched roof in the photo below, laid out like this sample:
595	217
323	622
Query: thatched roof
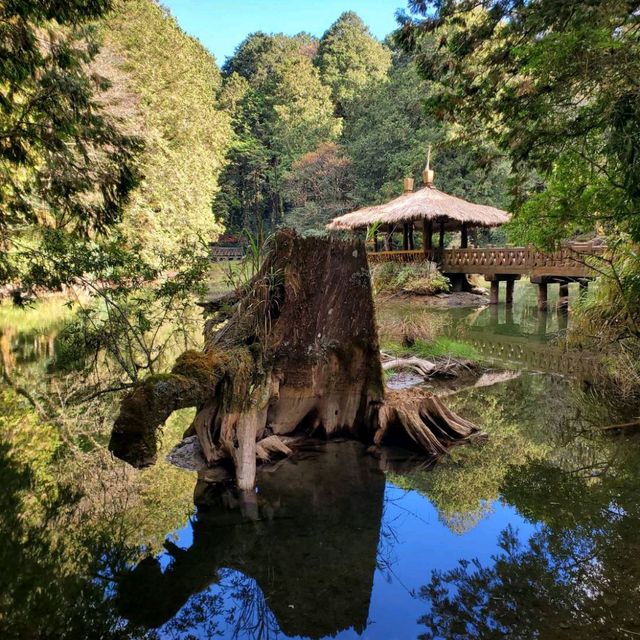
426	203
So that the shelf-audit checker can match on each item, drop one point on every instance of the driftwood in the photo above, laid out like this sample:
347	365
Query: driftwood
298	356
426	368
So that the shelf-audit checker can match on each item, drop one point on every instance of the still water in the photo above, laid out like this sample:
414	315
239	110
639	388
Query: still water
530	534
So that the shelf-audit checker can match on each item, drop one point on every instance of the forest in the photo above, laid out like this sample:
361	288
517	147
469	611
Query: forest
127	151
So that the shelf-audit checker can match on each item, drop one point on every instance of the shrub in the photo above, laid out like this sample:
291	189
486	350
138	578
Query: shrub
421	278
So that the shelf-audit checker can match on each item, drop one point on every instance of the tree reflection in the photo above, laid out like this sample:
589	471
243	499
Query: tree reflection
576	577
299	560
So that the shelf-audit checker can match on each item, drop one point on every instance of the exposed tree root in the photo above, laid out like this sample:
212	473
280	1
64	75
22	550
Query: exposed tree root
298	356
426	368
423	418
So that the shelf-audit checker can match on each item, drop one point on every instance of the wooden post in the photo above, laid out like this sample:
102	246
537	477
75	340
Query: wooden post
542	323
441	242
494	292
509	297
405	236
411	239
386	241
542	296
375	241
425	240
464	238
563	295
508	315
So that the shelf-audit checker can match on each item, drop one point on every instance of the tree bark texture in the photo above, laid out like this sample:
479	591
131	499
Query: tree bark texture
299	355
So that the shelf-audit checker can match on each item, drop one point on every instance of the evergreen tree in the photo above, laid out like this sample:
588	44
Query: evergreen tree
387	135
280	111
349	58
64	164
166	84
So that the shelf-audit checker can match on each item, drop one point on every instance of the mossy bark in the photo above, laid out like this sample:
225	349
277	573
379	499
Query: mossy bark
299	354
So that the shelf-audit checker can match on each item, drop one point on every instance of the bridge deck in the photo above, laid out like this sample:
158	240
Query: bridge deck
565	262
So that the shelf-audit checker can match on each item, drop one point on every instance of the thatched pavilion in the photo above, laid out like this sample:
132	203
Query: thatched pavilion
428	207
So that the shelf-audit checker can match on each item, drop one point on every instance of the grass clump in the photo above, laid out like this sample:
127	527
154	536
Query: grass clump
441	347
420	278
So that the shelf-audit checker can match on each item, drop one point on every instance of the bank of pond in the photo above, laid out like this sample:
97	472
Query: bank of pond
530	532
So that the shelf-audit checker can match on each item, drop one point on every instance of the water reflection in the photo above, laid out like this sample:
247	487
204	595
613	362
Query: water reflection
306	544
532	534
577	577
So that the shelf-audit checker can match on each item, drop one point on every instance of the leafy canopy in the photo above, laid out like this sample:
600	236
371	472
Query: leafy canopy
164	86
63	162
556	85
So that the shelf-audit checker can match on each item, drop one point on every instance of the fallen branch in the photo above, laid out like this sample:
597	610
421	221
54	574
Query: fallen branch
425	368
635	424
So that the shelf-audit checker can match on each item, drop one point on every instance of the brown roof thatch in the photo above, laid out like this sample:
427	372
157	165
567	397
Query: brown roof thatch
426	203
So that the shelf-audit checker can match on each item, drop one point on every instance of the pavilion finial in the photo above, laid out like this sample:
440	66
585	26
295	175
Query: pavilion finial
428	174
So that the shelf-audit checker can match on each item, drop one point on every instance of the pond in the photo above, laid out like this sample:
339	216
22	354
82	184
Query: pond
531	533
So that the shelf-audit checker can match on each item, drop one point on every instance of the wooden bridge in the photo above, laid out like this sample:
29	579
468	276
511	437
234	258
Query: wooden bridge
569	264
222	254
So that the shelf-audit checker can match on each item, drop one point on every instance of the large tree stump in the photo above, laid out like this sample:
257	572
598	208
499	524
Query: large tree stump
298	355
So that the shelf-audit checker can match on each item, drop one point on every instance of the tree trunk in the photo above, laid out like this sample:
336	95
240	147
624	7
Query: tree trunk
299	355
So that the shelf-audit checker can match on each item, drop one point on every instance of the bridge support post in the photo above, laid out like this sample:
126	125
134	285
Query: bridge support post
563	295
494	292
542	296
509	296
542	283
495	279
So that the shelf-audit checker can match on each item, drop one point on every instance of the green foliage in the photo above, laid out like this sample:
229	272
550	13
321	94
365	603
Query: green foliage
387	134
609	315
64	163
421	278
350	59
280	111
555	85
440	347
165	83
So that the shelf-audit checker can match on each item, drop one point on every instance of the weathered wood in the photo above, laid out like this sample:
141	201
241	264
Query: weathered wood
509	294
299	354
563	295
542	296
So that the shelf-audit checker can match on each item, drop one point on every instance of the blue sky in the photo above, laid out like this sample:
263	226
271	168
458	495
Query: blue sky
222	24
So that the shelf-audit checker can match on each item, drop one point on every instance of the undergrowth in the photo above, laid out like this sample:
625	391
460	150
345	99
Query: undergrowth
421	278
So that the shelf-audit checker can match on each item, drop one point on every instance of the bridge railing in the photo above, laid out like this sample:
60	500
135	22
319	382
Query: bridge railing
219	254
508	260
